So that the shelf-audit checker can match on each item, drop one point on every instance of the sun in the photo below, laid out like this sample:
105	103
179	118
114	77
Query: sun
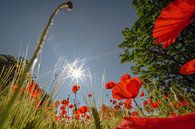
76	71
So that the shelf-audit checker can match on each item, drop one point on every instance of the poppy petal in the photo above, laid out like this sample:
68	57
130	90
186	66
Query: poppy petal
172	20
188	67
178	122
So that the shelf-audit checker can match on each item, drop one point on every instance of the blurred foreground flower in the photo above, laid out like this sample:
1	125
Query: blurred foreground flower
178	122
172	20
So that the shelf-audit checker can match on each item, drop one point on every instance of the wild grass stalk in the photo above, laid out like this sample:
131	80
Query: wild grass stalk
5	114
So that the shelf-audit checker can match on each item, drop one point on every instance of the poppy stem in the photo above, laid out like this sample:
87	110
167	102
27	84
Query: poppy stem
139	107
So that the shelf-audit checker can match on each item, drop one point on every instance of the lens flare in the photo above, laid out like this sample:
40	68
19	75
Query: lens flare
76	71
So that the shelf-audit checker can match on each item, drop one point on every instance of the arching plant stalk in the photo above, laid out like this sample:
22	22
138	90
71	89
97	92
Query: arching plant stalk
5	114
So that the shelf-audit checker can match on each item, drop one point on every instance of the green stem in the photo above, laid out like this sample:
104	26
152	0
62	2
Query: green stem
139	107
5	114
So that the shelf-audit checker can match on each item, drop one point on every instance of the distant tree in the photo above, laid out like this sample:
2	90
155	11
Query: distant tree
159	67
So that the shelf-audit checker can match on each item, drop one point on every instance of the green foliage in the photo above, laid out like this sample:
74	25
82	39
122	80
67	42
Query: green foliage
156	65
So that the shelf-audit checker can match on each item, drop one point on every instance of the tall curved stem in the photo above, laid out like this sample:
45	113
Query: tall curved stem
5	114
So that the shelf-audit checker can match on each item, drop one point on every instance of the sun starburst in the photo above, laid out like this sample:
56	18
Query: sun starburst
76	71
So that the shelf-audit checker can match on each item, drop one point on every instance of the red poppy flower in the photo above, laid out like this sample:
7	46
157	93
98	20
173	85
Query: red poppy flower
150	100
57	118
83	109
188	67
128	104
127	90
65	102
70	106
125	77
76	116
117	107
141	94
75	88
184	103
120	103
175	122
172	20
104	108
145	103
63	112
155	105
114	102
62	107
34	89
110	85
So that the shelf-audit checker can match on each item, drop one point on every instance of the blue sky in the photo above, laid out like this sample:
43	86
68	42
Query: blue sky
92	30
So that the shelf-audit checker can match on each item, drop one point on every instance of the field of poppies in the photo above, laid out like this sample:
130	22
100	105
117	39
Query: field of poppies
131	105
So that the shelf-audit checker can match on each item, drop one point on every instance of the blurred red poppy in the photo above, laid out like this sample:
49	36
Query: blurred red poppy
110	85
57	118
128	104
70	106
127	90
76	116
114	101
188	67
63	112
62	107
120	103
141	94
83	109
145	103
117	107
174	122
65	102
172	20
34	89
155	104
75	88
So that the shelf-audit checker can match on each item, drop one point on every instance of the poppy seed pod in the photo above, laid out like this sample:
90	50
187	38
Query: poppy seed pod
69	5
